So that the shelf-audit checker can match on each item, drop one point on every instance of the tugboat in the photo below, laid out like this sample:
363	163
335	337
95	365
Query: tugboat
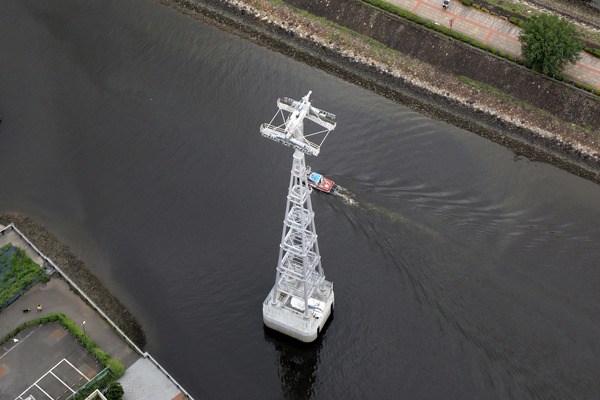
320	182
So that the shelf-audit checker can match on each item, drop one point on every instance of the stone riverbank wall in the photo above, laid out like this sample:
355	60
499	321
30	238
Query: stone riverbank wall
458	58
520	136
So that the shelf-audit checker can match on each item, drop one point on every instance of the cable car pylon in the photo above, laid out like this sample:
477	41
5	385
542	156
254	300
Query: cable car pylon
301	300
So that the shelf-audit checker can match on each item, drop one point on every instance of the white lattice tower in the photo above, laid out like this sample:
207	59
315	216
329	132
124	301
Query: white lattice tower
300	285
299	269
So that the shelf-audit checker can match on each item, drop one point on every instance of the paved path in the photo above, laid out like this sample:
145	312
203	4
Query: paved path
493	31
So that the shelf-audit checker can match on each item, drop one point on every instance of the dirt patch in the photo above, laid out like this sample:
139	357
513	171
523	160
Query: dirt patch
78	272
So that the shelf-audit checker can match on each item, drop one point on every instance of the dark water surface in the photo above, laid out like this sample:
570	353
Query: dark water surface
461	272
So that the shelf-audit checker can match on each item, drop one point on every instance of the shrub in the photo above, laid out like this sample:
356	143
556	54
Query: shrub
116	367
502	54
516	21
114	391
594	52
101	356
549	42
101	383
512	58
579	85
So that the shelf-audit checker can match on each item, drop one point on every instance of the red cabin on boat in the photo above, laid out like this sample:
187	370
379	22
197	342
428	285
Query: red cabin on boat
321	183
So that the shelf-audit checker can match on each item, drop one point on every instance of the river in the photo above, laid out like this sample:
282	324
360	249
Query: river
461	270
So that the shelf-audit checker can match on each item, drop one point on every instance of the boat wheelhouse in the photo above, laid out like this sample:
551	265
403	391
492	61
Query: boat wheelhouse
319	182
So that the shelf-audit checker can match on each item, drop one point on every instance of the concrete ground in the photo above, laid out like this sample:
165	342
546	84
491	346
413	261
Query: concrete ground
45	362
55	296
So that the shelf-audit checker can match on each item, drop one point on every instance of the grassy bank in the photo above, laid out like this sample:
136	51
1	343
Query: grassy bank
18	273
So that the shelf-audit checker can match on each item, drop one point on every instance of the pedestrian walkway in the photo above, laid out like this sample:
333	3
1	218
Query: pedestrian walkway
493	31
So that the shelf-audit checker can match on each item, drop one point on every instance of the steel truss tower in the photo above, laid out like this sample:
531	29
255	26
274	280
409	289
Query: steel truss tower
301	299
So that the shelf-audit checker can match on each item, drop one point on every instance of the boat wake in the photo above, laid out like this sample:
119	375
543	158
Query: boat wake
393	216
345	195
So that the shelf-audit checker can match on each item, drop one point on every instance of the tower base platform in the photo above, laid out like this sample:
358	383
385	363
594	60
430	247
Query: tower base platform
287	314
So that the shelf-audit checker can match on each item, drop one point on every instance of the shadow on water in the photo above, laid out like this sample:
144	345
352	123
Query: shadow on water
297	362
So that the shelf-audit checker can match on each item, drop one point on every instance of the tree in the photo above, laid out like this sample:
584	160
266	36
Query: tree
114	391
549	43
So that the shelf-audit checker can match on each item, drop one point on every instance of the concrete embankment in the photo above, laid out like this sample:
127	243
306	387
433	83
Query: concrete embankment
431	90
78	272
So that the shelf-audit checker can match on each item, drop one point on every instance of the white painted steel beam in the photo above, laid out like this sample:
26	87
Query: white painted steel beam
300	278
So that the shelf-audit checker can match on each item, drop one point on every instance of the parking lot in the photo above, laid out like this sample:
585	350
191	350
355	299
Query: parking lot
45	362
